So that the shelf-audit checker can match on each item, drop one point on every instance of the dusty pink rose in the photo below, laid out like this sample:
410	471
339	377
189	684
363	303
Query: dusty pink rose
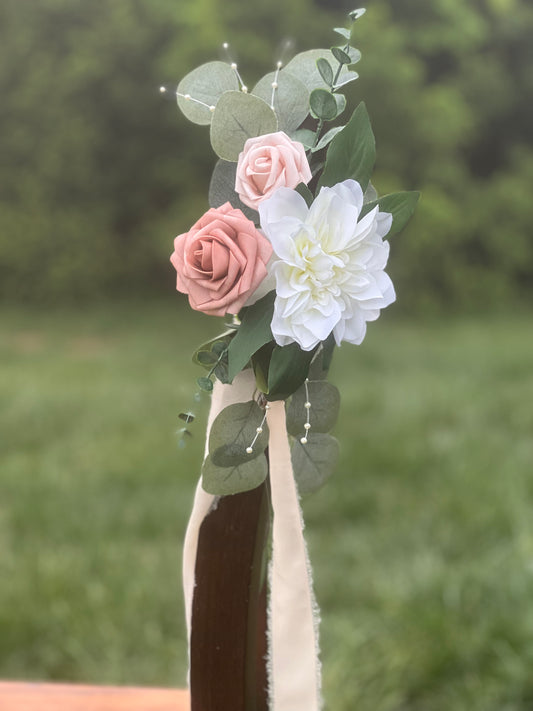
267	163
221	261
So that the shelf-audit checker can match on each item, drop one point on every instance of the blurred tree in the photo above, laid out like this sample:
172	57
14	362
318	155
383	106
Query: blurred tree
98	173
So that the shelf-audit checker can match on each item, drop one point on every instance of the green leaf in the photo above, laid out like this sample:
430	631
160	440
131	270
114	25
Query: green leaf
305	136
325	402
347	79
221	372
288	369
341	56
206	83
326	70
355	55
233	431
340	100
291	98
206	358
261	363
352	152
343	32
205	384
356	14
327	138
253	333
304	67
304	191
328	348
224	481
219	346
222	189
400	205
237	117
314	463
323	104
209	346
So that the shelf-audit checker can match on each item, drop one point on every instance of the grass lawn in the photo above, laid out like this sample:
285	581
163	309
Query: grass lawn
422	543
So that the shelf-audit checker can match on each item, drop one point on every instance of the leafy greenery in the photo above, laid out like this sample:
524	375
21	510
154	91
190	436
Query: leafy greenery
253	333
233	431
352	152
325	403
314	461
400	205
238	117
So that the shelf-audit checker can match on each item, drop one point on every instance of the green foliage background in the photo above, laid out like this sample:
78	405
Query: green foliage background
98	173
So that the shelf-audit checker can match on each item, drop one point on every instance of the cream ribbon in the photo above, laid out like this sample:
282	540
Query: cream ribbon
293	664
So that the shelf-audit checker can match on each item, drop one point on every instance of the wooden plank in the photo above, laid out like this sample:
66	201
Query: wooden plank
27	696
228	641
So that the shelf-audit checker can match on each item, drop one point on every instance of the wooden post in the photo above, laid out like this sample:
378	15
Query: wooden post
228	626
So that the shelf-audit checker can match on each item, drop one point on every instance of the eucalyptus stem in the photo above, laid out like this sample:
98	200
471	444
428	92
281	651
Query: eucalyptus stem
339	68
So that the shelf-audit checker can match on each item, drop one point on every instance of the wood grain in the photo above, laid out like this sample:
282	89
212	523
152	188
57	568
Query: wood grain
26	696
228	640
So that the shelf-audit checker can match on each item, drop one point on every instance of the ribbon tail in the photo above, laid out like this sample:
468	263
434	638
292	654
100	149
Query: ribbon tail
294	668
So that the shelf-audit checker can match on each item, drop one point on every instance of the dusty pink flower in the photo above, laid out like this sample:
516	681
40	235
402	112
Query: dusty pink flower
267	163
221	261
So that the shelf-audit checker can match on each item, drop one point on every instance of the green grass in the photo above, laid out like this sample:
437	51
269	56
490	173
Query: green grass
422	543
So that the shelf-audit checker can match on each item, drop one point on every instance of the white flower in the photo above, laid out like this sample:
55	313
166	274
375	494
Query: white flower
329	266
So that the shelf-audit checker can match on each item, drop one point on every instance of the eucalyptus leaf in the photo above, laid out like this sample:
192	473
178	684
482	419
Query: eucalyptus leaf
327	138
206	83
233	431
289	366
219	346
205	384
209	346
343	32
314	463
356	14
291	98
253	333
303	66
207	358
237	117
326	70
340	100
225	481
352	152
222	189
355	55
221	371
341	56
325	402
323	104
347	79
305	136
400	205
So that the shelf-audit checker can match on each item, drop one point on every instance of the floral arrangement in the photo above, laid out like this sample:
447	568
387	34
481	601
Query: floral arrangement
293	249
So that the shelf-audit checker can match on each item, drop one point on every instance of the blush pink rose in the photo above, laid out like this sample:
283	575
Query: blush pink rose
221	261
267	163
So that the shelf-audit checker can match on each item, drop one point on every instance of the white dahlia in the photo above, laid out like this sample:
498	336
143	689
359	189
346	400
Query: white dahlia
328	263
